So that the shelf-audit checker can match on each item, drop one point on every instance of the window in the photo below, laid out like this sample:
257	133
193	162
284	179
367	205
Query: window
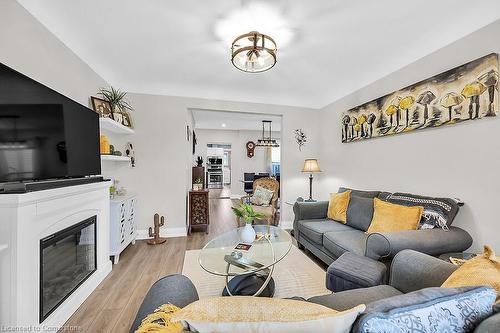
275	160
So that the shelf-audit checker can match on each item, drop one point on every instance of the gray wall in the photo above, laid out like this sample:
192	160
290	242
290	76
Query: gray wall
461	161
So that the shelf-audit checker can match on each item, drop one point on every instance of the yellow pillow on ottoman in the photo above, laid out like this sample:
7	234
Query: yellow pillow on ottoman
483	270
337	207
261	314
389	217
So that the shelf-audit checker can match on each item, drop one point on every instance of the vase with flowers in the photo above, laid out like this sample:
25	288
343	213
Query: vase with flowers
247	214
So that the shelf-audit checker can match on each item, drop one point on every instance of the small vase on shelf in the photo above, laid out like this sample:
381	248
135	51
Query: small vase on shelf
247	234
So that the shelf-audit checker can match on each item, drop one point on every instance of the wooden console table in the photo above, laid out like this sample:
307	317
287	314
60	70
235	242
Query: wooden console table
198	210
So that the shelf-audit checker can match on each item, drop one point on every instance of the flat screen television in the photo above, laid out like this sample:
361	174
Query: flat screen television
43	134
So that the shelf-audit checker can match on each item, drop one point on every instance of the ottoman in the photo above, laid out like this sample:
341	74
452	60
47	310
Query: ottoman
352	271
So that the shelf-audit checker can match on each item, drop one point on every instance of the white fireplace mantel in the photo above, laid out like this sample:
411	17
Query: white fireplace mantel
27	218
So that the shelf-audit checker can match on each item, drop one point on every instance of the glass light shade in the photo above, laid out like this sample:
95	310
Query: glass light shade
253	52
311	166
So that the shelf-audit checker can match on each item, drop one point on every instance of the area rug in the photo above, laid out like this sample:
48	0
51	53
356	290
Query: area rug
295	275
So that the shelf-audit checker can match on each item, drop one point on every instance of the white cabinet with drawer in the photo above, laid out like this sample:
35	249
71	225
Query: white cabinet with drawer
122	225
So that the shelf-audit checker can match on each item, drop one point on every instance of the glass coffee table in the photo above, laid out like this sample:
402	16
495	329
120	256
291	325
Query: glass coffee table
251	270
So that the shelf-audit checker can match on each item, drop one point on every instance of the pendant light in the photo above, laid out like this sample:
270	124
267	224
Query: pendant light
267	141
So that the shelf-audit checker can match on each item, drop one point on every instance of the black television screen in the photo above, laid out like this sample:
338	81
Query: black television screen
43	134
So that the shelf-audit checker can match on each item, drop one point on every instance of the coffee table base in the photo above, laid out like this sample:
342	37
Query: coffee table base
248	285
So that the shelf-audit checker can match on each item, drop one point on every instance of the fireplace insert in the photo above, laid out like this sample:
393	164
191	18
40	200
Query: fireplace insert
67	259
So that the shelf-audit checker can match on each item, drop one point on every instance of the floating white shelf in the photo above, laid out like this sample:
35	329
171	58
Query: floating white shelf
115	158
109	125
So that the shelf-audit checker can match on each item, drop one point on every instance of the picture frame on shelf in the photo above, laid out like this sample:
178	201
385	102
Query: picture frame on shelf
126	119
118	117
102	107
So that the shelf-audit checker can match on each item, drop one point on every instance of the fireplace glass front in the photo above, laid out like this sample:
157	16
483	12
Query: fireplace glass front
67	259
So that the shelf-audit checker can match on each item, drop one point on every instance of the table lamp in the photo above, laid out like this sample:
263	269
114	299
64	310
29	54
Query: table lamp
311	166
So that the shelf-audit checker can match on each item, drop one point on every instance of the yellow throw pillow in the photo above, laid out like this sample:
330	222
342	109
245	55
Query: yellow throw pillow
261	314
389	217
337	207
483	270
160	321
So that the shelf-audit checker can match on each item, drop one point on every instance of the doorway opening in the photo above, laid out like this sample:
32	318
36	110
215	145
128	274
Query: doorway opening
232	146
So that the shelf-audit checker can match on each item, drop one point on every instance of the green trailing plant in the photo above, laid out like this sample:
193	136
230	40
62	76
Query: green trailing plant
198	181
247	213
116	98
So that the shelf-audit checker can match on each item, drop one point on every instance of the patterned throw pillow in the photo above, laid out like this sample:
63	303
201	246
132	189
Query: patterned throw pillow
261	197
261	314
459	313
438	212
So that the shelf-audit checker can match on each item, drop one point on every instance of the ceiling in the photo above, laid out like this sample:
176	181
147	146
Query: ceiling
221	120
180	48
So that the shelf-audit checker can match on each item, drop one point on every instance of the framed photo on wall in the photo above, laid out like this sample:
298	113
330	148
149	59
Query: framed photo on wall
102	107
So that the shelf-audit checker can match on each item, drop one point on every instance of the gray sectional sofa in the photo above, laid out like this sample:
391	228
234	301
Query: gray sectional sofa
328	239
410	271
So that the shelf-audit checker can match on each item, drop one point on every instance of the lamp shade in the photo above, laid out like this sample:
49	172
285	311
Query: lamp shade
311	166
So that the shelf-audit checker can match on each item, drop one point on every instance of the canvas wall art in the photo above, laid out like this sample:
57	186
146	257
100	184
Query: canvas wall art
466	92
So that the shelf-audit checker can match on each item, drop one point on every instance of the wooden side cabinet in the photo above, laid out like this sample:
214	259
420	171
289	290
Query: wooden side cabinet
198	210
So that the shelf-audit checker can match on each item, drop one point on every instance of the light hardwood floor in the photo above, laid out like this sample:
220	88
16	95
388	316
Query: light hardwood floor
114	304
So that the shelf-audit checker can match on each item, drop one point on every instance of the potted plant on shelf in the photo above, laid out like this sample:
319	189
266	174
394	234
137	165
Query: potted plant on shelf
198	184
248	214
119	104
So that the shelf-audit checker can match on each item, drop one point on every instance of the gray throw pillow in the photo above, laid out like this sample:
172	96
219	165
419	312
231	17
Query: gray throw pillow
360	193
359	212
437	309
438	212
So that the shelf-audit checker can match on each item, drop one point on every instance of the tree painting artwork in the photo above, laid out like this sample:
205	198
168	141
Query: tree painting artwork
467	92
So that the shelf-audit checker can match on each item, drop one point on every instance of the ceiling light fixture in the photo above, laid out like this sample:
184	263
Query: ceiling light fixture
223	125
267	141
253	52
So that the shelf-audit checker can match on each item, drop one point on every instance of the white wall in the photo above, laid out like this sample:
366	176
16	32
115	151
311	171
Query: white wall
460	161
162	151
454	161
163	160
240	162
28	47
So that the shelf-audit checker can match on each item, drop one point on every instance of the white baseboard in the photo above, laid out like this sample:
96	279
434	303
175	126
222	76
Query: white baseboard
164	232
286	225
